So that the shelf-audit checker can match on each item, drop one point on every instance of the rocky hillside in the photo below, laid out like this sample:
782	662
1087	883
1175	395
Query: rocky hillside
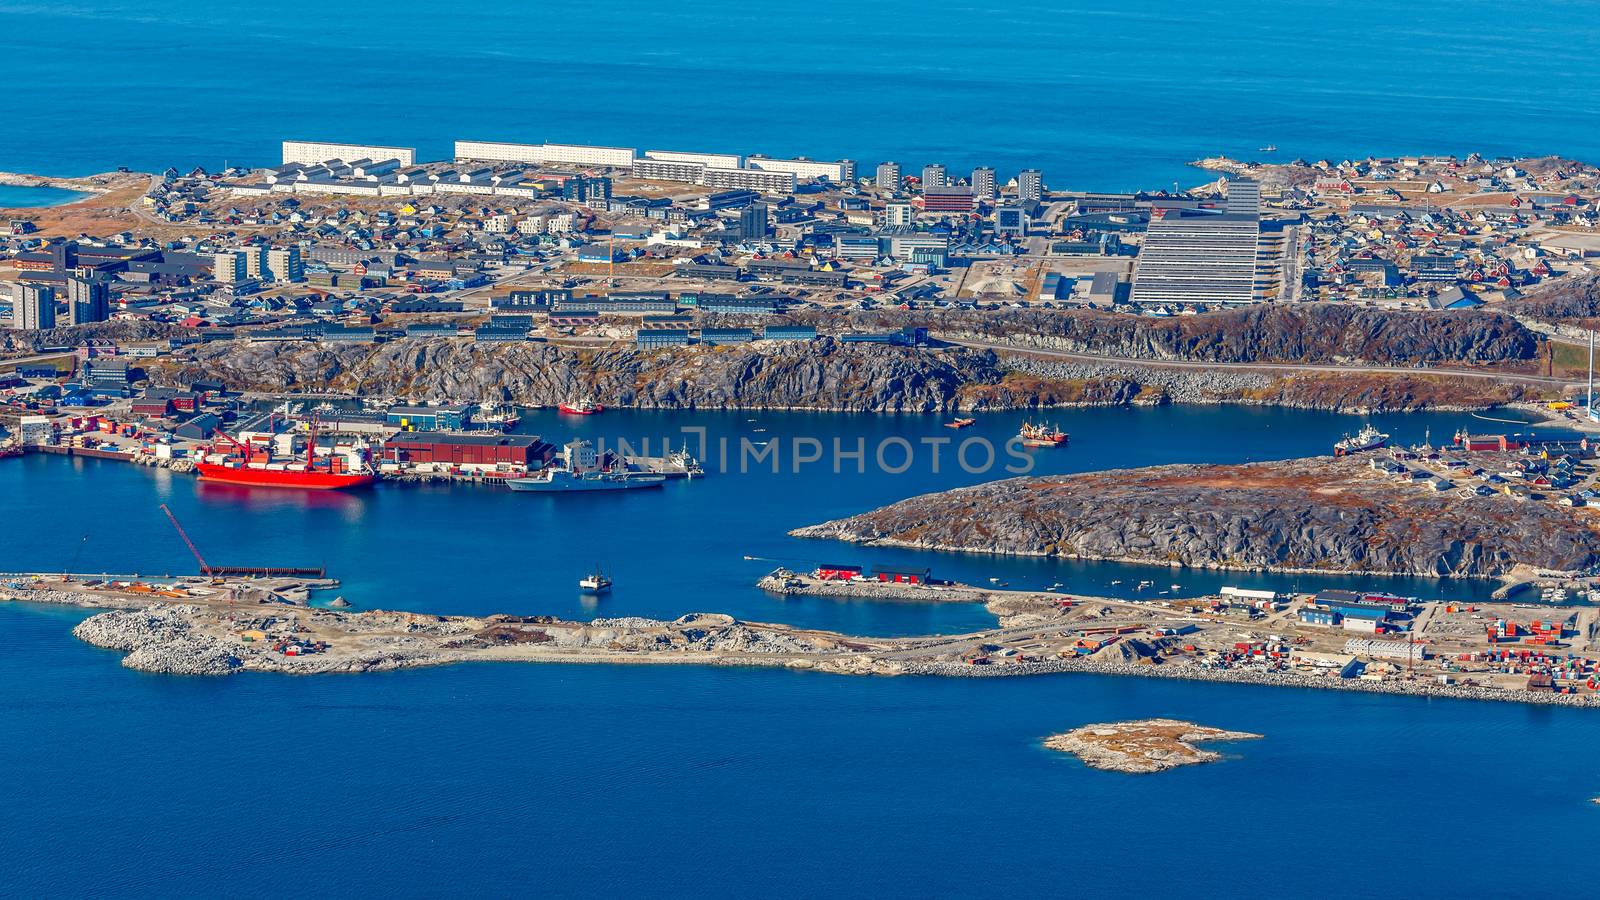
22	343
1311	514
1568	301
823	374
1301	333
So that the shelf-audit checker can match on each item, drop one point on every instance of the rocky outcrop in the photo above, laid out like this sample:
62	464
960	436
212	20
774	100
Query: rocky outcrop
1267	332
821	374
159	639
1566	301
1035	381
22	343
1142	747
1310	515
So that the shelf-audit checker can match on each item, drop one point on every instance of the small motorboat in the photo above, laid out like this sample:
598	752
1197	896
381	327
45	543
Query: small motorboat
961	423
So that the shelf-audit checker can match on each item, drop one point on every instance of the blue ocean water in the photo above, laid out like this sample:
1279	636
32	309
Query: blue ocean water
14	197
666	781
1103	96
682	549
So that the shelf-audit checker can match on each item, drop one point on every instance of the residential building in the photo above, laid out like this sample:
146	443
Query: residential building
898	214
983	183
88	300
1030	185
705	160
229	266
753	222
888	176
311	153
284	265
839	171
934	175
34	307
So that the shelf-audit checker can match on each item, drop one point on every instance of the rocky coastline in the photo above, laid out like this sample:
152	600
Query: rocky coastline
1318	515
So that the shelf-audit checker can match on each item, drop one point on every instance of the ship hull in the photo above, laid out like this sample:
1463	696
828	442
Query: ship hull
581	410
282	478
569	486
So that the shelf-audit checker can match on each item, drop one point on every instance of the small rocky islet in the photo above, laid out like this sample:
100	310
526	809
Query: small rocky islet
1143	746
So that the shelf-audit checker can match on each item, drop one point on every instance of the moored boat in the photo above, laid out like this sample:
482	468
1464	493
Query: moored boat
584	407
596	582
1041	435
255	466
1368	438
568	481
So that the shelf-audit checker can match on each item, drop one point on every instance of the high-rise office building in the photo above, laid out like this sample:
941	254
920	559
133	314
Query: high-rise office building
88	300
34	307
753	222
1030	185
1244	196
934	175
983	183
1197	259
888	176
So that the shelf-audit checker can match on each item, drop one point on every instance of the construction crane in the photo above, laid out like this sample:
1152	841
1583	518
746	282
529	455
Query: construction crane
204	568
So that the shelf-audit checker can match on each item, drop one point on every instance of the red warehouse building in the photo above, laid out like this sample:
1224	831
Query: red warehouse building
468	449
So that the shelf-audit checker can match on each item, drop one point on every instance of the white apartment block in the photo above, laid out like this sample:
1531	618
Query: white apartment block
712	160
311	153
840	171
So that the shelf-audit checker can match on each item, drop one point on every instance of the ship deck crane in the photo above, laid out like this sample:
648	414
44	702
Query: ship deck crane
204	568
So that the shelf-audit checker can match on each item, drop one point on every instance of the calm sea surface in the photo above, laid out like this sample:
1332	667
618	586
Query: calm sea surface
563	780
1105	96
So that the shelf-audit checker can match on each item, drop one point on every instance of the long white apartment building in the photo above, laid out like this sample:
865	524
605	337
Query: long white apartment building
311	153
710	160
840	171
1197	259
545	154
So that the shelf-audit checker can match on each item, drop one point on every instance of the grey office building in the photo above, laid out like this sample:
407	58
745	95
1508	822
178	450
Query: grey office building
1197	259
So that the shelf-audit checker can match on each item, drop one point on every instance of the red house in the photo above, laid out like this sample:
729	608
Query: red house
830	572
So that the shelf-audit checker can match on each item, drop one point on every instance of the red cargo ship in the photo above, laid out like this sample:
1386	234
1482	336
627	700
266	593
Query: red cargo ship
255	467
584	407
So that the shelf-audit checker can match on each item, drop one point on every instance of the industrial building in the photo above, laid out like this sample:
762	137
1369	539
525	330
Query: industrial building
480	451
1197	259
311	153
